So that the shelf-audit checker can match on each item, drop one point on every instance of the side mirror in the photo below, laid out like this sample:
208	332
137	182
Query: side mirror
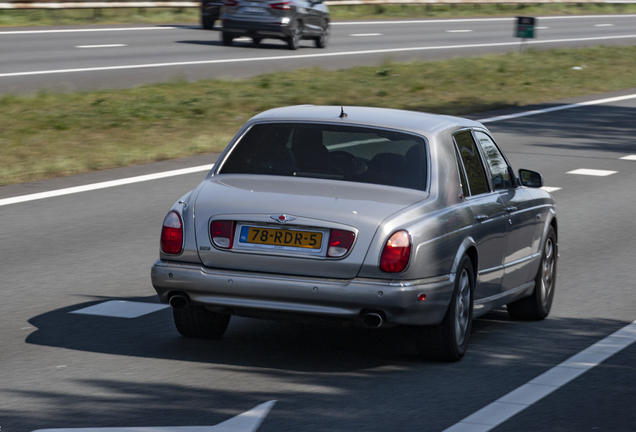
530	178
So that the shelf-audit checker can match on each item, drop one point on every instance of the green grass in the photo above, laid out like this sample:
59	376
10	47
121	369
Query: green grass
191	15
50	134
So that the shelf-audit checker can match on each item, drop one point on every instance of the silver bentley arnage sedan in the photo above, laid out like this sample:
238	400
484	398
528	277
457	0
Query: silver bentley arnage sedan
371	216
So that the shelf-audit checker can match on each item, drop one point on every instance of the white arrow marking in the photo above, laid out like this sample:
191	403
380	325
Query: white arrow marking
249	421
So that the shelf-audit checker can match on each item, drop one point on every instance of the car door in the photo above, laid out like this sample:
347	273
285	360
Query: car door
489	228
519	213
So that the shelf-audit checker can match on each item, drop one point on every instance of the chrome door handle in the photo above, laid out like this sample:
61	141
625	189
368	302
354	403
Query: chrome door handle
511	209
481	218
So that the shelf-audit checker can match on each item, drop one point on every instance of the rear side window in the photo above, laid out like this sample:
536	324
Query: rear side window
335	152
475	174
495	162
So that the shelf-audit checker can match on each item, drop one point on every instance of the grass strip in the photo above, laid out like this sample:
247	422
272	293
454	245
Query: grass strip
50	134
22	17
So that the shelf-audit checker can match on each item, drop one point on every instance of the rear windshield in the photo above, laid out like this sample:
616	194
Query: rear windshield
325	151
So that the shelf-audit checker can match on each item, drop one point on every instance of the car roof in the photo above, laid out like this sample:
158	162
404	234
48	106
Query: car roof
382	117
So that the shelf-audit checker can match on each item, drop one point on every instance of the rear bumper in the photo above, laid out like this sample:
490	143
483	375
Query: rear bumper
330	298
256	28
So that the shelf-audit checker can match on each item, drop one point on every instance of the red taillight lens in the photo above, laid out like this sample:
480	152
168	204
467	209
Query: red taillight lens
172	234
281	5
396	253
230	2
340	241
222	233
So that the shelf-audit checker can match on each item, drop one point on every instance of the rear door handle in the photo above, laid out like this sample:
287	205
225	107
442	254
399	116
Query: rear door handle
481	218
511	209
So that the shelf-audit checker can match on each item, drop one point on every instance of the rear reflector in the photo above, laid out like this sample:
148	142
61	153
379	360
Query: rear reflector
172	234
222	233
396	253
340	241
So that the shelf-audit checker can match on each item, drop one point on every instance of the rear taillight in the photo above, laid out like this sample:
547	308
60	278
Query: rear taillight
396	253
340	241
222	233
172	234
281	5
230	2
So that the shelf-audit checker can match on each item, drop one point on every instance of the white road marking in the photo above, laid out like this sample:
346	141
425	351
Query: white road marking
550	188
103	185
521	398
306	56
365	34
459	20
243	39
592	172
557	108
459	31
249	421
603	25
101	46
541	28
20	32
121	309
630	157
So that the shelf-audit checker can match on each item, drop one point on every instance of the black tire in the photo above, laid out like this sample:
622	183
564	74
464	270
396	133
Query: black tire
256	41
226	38
207	22
322	40
293	40
198	322
448	341
537	306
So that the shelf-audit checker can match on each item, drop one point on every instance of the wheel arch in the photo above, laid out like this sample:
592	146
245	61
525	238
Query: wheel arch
468	247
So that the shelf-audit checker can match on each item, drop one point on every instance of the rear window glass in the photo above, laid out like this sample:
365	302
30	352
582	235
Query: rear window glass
346	153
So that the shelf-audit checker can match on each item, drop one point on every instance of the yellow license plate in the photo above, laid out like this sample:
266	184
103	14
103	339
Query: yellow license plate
278	237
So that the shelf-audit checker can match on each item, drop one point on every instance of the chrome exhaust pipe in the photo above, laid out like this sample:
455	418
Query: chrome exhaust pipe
179	301
372	320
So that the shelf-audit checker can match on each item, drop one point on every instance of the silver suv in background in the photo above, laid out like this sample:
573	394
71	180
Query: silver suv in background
289	20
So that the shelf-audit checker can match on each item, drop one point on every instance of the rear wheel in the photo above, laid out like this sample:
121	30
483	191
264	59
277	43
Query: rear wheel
227	38
538	305
293	40
198	322
321	41
448	341
207	22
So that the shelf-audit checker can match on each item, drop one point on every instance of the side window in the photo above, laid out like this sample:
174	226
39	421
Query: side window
462	176
495	162
475	174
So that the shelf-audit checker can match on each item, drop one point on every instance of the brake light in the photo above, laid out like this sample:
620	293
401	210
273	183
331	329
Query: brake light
222	233
281	6
172	234
340	241
396	253
230	2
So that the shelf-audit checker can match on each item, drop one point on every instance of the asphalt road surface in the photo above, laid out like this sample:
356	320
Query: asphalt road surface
123	56
63	369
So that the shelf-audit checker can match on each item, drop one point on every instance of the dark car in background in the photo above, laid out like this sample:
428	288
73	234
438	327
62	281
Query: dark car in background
210	12
288	20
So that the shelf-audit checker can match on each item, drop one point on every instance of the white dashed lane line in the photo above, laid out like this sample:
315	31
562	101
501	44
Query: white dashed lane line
121	309
528	394
541	28
630	158
592	172
459	31
102	46
603	25
365	34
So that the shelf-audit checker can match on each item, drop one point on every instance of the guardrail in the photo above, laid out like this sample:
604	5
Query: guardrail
57	4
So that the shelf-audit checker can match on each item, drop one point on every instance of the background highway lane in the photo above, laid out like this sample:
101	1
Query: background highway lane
168	48
67	370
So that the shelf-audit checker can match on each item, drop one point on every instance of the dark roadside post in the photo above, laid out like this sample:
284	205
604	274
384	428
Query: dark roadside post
525	30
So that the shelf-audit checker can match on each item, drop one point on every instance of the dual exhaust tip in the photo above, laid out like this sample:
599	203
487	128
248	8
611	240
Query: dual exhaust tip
179	301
